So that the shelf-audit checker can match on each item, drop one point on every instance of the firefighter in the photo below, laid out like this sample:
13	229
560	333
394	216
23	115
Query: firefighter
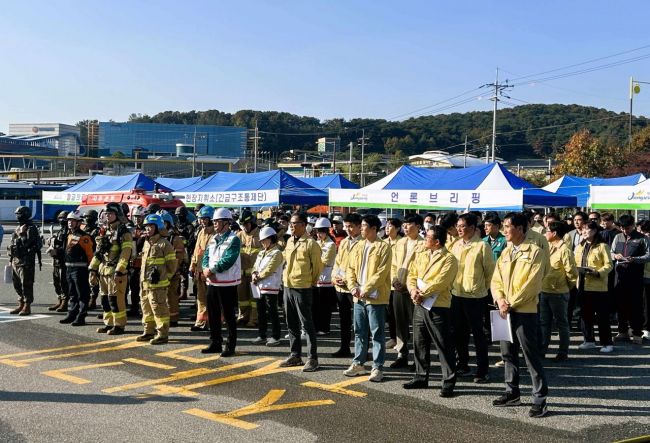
25	243
78	255
91	228
205	234
178	243
137	218
158	265
110	267
56	250
250	247
187	229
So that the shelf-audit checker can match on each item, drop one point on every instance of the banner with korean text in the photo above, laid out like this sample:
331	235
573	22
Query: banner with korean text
447	200
620	197
231	199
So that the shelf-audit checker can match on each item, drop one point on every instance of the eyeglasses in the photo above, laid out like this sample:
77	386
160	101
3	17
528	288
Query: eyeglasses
296	223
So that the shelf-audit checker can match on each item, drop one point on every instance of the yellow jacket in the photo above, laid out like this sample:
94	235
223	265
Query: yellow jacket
250	247
475	268
518	279
600	260
437	270
540	241
202	241
303	262
376	276
539	228
157	253
400	264
341	262
392	244
562	274
118	256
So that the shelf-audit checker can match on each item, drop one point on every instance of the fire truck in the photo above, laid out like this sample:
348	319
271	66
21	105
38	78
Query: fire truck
133	199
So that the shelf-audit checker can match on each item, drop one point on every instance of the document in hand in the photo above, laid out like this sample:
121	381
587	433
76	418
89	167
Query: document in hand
501	328
428	302
255	290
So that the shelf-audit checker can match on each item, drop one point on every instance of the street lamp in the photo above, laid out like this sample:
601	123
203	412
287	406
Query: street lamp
634	89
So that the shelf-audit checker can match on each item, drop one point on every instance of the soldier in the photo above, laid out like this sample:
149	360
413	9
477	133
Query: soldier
187	229
159	264
178	243
250	247
204	235
139	239
78	254
56	250
92	229
110	267
25	242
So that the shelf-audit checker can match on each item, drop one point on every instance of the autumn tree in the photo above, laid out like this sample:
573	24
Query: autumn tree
586	156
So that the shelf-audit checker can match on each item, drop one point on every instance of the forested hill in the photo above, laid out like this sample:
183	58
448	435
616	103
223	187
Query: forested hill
524	131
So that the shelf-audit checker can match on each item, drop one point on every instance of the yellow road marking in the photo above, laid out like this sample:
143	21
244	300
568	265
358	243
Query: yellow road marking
189	390
132	344
643	438
175	354
339	388
173	377
266	404
151	364
61	374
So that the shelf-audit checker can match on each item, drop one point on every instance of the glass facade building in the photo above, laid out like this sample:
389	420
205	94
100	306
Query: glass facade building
160	139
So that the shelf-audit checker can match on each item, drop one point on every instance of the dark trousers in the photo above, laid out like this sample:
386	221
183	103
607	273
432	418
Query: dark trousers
525	334
344	305
60	279
267	308
324	300
574	307
23	279
390	318
646	307
595	308
629	304
467	316
433	327
403	307
79	292
134	289
297	305
223	299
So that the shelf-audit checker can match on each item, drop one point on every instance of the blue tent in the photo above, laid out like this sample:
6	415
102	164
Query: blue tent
105	183
489	177
292	190
178	183
579	186
217	182
335	181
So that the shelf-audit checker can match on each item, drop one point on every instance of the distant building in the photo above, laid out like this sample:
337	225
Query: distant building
329	145
160	139
442	159
56	138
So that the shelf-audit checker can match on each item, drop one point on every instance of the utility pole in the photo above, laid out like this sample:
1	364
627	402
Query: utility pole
363	148
350	164
498	91
487	154
194	154
338	140
255	146
465	154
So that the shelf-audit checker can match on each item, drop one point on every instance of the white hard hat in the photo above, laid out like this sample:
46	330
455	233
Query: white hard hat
311	220
138	211
323	223
383	222
222	214
267	232
75	215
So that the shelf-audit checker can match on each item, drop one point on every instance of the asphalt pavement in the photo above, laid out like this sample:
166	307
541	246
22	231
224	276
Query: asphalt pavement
59	383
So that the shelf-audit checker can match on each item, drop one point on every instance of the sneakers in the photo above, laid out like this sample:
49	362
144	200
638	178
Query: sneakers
538	411
376	375
272	342
500	364
607	349
507	400
587	345
291	361
637	339
646	335
259	341
390	344
311	365
355	370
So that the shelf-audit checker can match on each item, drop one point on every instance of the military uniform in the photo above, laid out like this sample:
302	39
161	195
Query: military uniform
56	250
25	242
110	265
250	247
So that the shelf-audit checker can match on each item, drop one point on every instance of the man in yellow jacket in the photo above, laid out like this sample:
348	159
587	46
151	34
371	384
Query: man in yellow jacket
516	284
368	277
302	255
430	278
159	265
470	296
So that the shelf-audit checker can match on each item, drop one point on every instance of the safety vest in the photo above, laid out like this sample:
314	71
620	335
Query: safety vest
217	249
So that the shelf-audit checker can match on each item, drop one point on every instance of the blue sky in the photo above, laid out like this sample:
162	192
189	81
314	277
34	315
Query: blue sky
65	61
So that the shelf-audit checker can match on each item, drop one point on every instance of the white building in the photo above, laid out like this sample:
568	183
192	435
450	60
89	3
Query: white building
442	159
64	138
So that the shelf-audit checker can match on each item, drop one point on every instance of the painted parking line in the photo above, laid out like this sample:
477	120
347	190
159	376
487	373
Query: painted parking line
64	374
6	317
66	348
266	404
177	355
339	388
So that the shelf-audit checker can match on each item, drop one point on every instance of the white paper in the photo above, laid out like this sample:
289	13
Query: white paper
428	302
420	284
256	291
374	294
501	328
8	275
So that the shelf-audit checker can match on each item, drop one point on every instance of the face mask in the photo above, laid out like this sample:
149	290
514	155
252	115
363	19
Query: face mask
309	229
427	226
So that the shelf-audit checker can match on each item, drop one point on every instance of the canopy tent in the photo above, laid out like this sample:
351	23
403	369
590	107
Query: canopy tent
269	188
178	183
334	181
621	197
580	186
103	184
488	187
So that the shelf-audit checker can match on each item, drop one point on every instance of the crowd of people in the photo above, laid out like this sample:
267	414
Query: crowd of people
438	276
